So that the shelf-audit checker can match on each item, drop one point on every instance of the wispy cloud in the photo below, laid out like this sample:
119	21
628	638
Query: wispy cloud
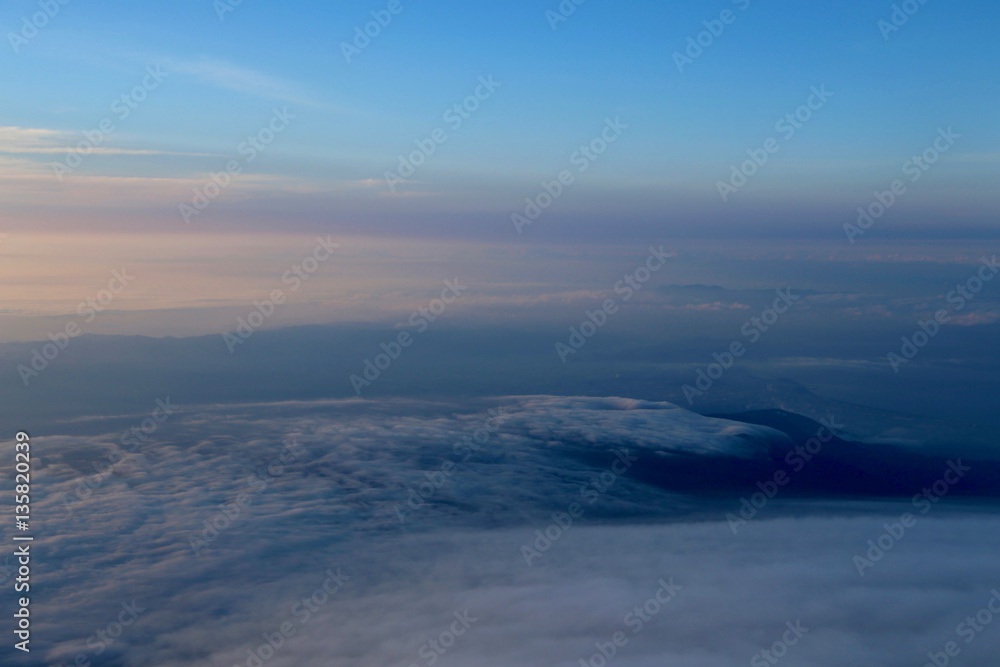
978	318
238	79
42	141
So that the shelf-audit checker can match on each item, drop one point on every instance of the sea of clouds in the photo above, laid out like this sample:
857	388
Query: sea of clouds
377	532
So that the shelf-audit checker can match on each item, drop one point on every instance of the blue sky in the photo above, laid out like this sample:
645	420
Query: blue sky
686	128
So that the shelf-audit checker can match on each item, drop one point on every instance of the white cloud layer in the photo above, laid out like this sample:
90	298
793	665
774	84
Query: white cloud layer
334	505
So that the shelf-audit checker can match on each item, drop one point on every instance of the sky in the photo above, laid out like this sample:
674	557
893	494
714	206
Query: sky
223	73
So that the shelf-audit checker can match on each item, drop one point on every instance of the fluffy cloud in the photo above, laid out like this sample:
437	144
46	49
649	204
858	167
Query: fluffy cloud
228	520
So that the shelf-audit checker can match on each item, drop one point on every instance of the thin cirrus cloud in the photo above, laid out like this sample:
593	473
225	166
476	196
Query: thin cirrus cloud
247	81
238	79
29	155
16	140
